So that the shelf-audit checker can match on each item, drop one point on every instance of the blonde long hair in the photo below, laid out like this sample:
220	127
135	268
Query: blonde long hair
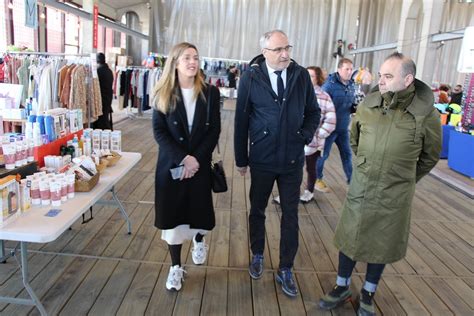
166	92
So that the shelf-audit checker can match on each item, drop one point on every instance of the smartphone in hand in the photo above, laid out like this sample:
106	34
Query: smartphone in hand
176	173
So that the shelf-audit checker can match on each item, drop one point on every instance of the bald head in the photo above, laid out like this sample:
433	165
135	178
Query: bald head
396	73
408	65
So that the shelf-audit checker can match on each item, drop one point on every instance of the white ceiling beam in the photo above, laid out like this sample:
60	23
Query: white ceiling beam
85	15
374	48
448	36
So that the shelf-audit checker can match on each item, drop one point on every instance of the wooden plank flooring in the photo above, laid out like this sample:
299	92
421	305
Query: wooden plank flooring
97	269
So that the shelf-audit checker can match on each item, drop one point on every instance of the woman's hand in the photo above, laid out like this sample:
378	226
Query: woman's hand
191	166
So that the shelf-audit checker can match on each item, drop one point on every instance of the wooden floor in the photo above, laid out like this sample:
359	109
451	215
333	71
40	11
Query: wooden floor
97	269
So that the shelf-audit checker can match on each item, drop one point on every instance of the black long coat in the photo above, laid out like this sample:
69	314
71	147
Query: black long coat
106	81
188	201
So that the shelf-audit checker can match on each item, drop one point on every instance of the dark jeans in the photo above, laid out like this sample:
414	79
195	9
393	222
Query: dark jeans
311	170
289	190
341	137
346	265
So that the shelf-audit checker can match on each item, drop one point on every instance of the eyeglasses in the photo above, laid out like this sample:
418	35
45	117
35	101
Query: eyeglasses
280	50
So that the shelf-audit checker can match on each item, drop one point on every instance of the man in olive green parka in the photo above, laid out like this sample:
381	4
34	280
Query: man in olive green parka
396	137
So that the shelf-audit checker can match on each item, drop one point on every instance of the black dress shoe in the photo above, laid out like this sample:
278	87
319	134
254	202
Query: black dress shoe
288	285
256	267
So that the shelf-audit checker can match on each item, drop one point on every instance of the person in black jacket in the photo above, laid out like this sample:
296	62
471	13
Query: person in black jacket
456	95
106	81
231	76
186	125
276	115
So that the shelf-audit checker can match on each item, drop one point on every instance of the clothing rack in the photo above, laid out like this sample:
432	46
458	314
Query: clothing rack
89	78
226	59
128	109
44	53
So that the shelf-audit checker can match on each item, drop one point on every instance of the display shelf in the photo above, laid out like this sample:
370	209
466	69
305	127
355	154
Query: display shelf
53	148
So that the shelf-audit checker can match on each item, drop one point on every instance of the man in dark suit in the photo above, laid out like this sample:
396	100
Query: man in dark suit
278	112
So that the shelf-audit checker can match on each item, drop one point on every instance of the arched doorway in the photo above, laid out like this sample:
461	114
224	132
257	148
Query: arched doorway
413	26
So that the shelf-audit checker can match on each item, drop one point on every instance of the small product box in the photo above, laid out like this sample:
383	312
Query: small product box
9	199
25	195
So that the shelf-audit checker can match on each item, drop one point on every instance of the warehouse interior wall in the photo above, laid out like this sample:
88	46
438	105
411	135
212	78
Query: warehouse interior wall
231	29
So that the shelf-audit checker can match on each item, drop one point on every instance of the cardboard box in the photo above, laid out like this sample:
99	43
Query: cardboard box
111	58
124	61
117	50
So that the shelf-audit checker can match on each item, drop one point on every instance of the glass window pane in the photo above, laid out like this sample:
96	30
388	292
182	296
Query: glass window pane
71	30
109	39
100	39
3	31
54	31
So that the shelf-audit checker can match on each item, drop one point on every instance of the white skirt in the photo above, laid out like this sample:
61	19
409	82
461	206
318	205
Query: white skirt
181	233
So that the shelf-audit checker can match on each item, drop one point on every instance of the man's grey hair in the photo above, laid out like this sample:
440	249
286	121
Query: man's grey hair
408	65
266	37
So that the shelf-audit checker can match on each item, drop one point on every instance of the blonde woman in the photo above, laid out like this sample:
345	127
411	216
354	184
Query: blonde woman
186	126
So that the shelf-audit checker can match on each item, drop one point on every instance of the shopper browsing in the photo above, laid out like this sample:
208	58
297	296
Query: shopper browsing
186	126
396	137
340	88
277	113
106	80
327	124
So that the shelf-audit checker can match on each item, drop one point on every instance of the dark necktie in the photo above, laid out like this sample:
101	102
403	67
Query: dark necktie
280	86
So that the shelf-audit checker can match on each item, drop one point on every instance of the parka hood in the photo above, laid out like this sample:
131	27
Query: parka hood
422	103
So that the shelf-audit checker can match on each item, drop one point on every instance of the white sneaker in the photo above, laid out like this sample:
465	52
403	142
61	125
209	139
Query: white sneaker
277	200
199	251
175	277
306	196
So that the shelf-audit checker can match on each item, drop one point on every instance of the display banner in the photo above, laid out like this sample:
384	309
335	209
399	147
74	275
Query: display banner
95	26
31	13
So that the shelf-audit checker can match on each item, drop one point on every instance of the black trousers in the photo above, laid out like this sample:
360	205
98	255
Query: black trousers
289	190
346	265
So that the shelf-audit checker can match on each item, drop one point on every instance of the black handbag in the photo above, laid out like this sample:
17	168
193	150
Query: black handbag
218	179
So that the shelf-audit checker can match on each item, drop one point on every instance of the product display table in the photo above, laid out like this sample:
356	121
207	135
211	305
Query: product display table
35	226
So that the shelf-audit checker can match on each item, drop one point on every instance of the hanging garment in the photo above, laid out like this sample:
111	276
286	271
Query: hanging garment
78	93
66	90
45	89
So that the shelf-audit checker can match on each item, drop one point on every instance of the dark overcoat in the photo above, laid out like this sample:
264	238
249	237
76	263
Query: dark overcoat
269	135
187	201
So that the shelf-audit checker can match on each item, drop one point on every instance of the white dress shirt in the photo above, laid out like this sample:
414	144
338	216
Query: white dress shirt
274	78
